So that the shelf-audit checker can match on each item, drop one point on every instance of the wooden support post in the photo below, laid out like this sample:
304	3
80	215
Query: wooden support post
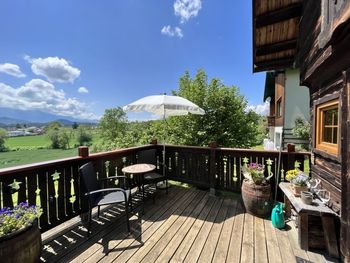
329	235
303	230
291	156
154	141
83	151
212	168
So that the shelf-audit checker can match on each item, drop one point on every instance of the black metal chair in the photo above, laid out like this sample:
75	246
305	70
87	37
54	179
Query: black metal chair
98	196
150	156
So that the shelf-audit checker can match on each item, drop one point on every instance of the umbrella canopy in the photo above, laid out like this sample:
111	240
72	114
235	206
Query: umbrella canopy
164	105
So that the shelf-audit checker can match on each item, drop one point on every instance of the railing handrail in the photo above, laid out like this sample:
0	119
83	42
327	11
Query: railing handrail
233	149
27	167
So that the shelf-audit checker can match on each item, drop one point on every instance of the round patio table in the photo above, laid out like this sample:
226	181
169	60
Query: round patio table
139	170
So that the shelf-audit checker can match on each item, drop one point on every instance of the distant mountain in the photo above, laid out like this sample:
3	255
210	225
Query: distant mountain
34	116
11	121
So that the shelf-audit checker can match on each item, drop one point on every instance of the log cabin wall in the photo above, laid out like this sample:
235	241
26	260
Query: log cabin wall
324	61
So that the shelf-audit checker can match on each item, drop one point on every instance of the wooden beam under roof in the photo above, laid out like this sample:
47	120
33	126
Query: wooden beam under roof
275	64
282	14
276	47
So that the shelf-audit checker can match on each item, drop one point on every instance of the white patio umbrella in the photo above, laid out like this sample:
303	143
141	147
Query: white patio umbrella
165	106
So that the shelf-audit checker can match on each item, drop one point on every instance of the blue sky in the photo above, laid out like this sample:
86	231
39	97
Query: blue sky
115	52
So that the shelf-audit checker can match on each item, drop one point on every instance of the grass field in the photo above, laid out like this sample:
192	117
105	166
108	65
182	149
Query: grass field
32	149
13	158
28	141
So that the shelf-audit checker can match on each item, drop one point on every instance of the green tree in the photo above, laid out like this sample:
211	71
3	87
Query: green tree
84	136
75	125
302	131
112	126
227	120
54	125
59	138
3	136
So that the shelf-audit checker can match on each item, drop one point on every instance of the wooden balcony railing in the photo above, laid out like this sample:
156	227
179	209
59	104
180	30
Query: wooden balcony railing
56	187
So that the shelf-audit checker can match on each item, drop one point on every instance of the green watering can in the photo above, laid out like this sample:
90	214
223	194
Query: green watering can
277	216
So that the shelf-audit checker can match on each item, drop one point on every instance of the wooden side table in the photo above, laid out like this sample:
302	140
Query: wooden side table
319	209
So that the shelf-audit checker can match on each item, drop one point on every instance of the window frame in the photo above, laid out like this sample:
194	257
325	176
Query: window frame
328	148
279	109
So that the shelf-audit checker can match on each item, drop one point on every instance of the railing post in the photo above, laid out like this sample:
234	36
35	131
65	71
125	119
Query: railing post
291	157
154	142
83	151
212	167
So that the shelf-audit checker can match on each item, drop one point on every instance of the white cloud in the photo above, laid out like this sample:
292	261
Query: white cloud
55	69
186	9
262	109
172	32
38	94
12	69
83	90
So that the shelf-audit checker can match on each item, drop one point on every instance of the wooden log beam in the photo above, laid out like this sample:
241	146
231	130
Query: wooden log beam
291	11
276	47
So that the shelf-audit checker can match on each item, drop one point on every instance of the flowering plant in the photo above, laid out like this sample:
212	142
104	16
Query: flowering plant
291	174
301	179
254	172
18	217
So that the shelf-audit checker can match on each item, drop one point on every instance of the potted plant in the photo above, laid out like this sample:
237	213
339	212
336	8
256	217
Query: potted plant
20	238
298	181
256	190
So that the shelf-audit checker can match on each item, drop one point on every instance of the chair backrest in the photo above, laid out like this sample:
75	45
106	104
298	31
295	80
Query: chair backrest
88	176
147	156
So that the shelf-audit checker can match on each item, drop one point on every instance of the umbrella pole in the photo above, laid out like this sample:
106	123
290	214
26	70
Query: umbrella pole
164	163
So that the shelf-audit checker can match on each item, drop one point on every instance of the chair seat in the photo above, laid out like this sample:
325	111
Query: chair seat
114	197
154	177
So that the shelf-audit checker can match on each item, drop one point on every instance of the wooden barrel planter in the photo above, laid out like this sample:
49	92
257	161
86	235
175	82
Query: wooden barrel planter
257	199
23	245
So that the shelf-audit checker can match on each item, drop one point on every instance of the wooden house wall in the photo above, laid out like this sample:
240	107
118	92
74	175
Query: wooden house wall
279	93
324	61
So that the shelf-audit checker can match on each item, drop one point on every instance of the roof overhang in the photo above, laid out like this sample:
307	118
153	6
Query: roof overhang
275	33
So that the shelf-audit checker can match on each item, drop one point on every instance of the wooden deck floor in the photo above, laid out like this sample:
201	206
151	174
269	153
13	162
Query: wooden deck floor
187	225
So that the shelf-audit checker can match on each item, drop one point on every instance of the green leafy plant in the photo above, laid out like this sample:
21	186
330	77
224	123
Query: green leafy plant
18	217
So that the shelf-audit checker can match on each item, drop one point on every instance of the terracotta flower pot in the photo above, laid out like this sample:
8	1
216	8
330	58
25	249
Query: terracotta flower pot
297	189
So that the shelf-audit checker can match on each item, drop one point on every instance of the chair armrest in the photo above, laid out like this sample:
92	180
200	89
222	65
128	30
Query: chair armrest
112	177
105	190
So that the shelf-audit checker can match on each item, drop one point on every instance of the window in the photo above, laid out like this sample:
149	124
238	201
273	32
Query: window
279	107
327	128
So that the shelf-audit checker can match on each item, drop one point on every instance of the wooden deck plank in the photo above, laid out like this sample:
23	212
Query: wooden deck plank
101	245
224	239
179	236
75	236
197	246
286	250
187	242
234	250
273	251
260	241
129	246
182	224
212	240
247	254
293	239
144	250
